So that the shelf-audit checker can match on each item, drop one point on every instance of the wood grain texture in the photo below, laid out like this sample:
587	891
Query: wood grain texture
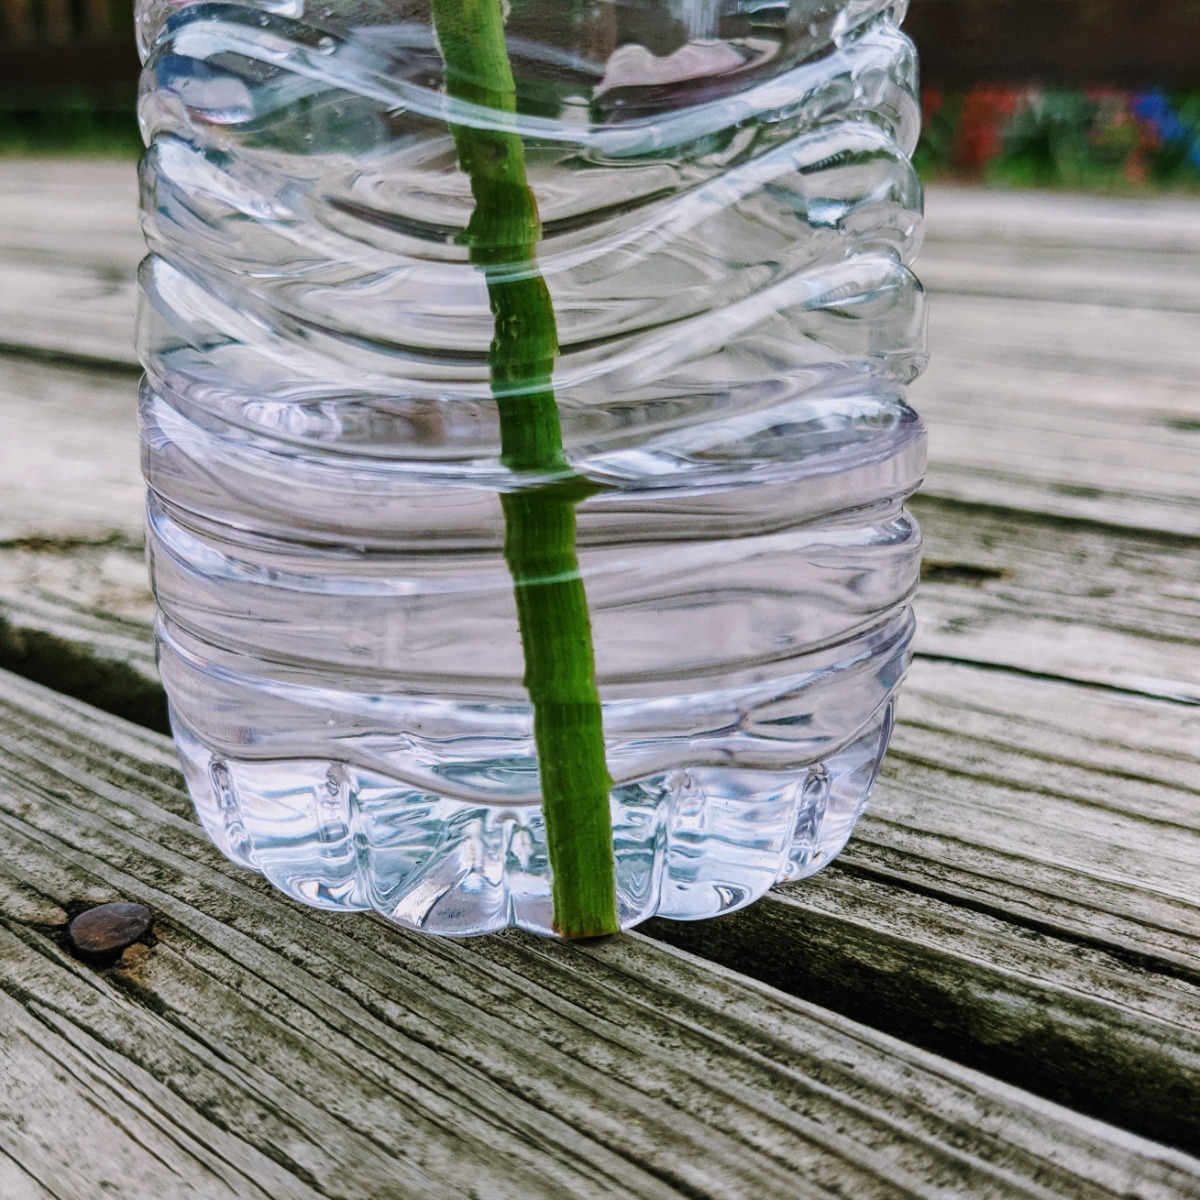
1002	586
1063	334
1068	818
70	243
256	1041
1165	280
1062	220
70	641
1068	1019
1019	896
60	212
69	458
1136	253
1064	436
1078	602
83	313
1072	808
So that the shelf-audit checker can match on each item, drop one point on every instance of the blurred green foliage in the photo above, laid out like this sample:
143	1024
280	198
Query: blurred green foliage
64	120
1082	138
1091	139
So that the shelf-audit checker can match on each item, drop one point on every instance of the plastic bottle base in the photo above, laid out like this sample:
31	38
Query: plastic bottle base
688	844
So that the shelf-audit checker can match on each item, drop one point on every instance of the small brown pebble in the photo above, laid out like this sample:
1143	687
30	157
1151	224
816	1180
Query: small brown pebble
106	930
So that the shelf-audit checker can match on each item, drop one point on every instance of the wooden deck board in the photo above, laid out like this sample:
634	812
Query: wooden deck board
1024	878
1041	388
70	432
1079	602
1021	896
1073	807
1049	220
1004	587
1099	782
350	1054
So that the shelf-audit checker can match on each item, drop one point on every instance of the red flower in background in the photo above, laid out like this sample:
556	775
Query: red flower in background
986	109
932	100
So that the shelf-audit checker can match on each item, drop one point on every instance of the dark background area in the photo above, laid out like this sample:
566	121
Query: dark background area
1102	93
1094	43
68	76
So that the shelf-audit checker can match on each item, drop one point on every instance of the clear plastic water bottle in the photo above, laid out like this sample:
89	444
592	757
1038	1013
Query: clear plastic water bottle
727	211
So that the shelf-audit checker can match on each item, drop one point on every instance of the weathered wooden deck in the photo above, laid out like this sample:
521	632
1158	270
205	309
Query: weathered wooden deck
994	993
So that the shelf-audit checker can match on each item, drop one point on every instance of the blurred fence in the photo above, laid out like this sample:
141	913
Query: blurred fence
55	22
1114	43
962	42
72	43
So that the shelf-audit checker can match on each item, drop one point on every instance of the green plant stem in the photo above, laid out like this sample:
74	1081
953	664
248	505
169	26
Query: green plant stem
539	542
